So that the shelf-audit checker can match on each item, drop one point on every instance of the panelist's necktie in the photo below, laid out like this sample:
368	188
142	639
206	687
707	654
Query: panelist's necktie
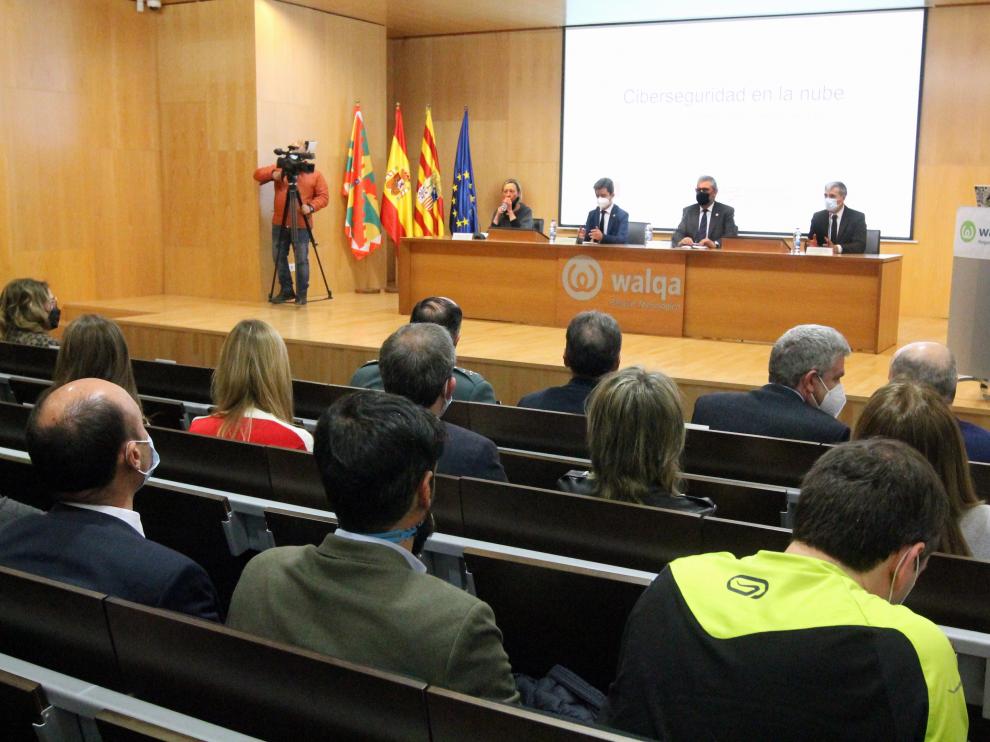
702	232
834	228
601	221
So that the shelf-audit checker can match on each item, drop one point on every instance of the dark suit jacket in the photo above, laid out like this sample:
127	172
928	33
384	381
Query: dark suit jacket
721	223
99	552
617	229
772	410
471	386
524	218
467	454
568	398
852	230
977	442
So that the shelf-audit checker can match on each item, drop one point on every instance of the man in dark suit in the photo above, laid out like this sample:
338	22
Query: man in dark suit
89	447
417	362
362	595
933	364
804	395
607	224
706	222
841	228
594	341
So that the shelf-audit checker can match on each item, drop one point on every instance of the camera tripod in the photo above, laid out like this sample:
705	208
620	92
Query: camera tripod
287	234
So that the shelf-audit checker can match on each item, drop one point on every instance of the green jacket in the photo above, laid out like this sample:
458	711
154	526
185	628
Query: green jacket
471	386
361	602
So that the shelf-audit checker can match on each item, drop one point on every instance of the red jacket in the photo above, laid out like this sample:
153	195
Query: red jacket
312	191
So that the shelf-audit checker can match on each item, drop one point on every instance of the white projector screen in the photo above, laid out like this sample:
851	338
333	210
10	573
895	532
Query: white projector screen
773	108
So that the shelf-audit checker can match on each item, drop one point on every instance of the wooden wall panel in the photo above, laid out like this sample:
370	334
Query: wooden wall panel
311	68
206	69
80	194
511	84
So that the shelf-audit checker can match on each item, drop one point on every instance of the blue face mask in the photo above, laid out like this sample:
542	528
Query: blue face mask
419	534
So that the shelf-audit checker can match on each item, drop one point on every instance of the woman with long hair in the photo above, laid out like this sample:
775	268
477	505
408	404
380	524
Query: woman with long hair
252	390
917	415
635	437
28	313
94	347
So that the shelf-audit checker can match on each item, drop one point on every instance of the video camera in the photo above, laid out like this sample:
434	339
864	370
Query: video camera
292	161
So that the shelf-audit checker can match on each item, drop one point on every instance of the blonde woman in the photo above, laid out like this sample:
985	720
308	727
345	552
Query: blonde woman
252	391
28	312
918	415
635	437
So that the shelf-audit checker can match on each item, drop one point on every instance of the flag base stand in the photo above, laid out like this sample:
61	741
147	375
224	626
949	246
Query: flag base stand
391	289
367	291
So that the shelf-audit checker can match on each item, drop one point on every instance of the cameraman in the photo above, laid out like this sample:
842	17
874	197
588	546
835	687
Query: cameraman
313	196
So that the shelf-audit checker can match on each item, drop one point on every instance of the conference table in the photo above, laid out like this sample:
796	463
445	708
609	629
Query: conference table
737	294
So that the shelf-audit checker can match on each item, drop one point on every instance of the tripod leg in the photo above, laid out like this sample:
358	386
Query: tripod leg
319	263
280	251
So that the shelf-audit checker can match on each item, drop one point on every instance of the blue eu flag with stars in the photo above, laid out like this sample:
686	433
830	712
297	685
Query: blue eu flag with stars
464	199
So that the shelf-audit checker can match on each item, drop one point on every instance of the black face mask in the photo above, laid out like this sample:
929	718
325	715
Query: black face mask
53	317
423	532
703	198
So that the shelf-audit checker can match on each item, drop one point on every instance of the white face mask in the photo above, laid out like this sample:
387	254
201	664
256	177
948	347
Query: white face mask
893	579
831	204
603	202
155	458
834	399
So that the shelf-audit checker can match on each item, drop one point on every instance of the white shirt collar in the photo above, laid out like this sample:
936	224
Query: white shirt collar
130	517
414	564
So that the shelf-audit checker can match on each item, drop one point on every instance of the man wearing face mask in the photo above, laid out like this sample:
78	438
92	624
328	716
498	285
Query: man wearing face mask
607	224
90	449
841	228
803	398
362	595
707	221
810	643
417	362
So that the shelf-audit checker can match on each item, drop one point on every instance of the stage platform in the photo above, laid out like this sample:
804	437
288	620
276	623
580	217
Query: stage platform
328	340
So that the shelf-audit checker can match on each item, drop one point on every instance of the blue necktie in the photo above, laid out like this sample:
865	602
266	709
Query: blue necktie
702	232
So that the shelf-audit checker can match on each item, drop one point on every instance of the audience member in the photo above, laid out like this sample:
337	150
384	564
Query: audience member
252	391
804	395
90	450
471	386
417	362
917	415
28	313
635	436
362	595
594	341
93	347
933	364
810	643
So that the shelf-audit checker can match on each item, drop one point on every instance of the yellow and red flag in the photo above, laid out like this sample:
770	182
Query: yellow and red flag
362	223
397	197
429	201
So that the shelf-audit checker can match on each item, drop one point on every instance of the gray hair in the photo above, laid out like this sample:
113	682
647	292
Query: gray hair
416	361
927	363
710	179
605	183
803	348
836	184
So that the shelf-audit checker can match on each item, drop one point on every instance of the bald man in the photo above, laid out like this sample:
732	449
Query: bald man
89	447
933	364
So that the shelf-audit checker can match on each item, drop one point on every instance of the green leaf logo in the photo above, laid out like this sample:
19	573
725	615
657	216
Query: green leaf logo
967	232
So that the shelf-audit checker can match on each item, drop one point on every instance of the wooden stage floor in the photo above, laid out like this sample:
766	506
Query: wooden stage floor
327	340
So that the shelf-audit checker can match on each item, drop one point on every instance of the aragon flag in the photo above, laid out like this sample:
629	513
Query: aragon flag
429	195
464	199
397	197
362	223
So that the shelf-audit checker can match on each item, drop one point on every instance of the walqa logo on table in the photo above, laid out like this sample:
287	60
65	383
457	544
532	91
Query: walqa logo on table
583	280
967	232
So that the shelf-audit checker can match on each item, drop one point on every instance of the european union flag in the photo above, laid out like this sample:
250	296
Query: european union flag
464	200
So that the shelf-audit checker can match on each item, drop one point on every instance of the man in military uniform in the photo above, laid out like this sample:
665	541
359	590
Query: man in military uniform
471	386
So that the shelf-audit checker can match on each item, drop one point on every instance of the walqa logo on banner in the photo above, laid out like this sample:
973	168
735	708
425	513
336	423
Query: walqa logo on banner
967	232
583	279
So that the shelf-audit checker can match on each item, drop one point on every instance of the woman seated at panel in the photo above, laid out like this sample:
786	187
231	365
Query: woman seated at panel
512	213
28	313
635	437
252	391
917	415
94	347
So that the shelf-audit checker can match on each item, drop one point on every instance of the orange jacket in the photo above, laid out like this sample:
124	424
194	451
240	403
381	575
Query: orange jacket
312	191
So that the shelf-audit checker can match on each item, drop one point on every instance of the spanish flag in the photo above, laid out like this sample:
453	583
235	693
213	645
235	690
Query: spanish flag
397	204
362	223
429	201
